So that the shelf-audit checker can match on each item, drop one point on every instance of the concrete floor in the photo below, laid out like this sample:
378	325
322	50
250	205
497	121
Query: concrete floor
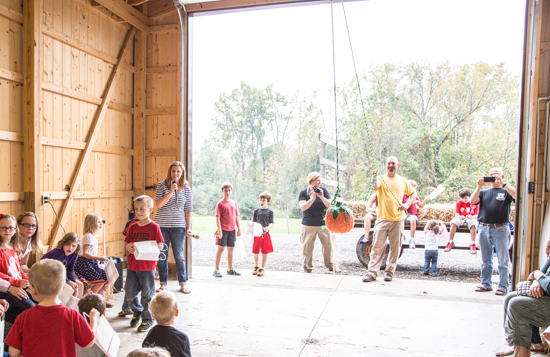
274	315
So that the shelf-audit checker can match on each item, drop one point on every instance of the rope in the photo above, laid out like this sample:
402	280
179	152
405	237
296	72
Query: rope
370	151
335	104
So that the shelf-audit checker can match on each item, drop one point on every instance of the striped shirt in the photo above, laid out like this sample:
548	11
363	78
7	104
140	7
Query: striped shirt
172	214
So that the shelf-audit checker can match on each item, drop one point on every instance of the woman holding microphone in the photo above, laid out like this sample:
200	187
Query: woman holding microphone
174	201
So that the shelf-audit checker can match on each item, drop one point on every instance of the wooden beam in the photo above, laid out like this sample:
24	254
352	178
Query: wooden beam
68	40
136	2
162	70
32	149
161	111
121	108
71	93
77	145
11	196
11	75
140	100
11	136
330	163
10	14
62	195
96	125
160	7
328	140
128	13
161	152
331	183
162	28
235	4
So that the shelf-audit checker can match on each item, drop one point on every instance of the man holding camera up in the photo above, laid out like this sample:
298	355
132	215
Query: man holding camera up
494	215
314	201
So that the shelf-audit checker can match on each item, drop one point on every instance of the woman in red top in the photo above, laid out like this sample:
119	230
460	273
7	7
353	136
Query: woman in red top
10	270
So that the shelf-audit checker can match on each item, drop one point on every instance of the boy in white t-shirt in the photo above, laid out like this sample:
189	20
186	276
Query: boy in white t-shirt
433	231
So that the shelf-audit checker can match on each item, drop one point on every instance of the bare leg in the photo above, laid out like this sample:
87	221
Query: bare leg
80	290
453	231
472	234
256	258
264	260
522	352
413	227
230	257
96	288
219	256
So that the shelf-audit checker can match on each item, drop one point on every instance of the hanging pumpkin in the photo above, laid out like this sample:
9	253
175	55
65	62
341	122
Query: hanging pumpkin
339	218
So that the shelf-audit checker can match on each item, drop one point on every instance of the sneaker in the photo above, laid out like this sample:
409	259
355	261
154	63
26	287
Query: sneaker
306	270
411	243
145	326
125	312
135	319
369	278
388	277
217	273
473	248
255	272
233	272
449	246
261	272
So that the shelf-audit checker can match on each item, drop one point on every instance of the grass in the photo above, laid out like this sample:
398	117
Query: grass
207	225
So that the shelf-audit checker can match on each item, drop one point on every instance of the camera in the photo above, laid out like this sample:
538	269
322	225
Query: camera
489	179
316	189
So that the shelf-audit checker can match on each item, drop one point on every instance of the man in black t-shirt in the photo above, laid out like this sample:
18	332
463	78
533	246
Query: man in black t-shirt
314	206
494	231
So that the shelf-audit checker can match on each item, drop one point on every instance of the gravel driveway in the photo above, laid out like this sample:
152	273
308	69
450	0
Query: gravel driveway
457	265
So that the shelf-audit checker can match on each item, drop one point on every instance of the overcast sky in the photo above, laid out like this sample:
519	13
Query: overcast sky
290	47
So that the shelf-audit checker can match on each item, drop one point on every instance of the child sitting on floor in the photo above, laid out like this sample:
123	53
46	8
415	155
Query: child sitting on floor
38	331
85	305
164	308
433	231
67	252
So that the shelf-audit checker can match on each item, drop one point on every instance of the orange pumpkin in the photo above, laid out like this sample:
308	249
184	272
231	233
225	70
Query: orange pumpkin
339	218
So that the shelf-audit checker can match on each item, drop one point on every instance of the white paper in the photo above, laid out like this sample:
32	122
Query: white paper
106	338
111	272
436	192
66	294
239	253
146	250
254	229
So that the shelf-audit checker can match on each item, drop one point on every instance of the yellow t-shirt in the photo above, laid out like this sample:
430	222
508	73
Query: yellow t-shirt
387	205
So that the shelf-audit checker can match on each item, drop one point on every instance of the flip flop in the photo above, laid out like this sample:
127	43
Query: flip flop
184	289
161	288
505	353
482	289
501	292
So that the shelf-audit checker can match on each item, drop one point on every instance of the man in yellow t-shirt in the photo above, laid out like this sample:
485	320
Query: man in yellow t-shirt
391	219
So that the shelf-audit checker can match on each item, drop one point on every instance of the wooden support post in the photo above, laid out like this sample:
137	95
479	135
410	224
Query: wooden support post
98	120
140	88
32	10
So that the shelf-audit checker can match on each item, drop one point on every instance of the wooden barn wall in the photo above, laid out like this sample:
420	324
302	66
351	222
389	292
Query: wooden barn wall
79	46
163	97
11	104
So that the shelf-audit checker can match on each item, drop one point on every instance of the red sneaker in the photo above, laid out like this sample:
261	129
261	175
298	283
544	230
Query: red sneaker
449	246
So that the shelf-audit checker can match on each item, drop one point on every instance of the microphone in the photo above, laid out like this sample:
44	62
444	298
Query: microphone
173	182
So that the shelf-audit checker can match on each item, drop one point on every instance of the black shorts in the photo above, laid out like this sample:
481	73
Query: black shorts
228	239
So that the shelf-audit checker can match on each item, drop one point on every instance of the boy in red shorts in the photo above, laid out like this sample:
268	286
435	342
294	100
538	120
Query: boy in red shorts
263	216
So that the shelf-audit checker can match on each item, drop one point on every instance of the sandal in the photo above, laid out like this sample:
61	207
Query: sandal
505	353
482	289
184	289
161	288
501	292
537	347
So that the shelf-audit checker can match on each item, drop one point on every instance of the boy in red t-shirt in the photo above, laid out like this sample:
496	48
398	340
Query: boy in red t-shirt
49	328
140	275
465	214
412	214
227	219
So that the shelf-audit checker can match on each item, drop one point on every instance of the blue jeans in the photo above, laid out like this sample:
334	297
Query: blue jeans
143	281
16	306
126	304
498	237
176	236
430	256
